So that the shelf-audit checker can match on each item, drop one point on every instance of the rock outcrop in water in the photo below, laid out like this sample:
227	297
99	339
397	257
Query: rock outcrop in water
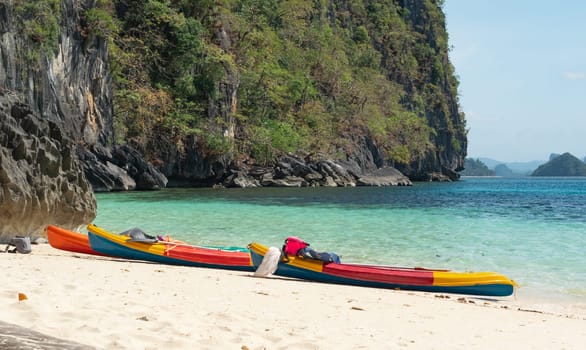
41	180
564	165
290	171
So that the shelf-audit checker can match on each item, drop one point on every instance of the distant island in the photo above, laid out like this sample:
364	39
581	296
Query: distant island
564	165
558	165
475	167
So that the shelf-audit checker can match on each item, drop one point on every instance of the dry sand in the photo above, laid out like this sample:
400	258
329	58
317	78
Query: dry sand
118	304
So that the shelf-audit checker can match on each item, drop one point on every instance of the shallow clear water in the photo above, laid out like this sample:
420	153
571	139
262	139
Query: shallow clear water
530	229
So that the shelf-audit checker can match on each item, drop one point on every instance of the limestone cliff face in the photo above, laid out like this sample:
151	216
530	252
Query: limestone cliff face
71	87
50	103
443	114
41	181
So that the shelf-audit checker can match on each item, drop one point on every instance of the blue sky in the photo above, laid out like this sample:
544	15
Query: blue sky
522	71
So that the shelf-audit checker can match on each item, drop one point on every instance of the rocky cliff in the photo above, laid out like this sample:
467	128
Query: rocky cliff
55	98
61	73
335	93
342	81
41	180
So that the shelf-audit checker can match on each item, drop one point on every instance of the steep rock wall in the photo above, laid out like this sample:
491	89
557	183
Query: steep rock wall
51	102
41	180
71	87
444	116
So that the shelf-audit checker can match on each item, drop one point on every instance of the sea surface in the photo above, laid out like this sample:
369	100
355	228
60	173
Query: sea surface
531	229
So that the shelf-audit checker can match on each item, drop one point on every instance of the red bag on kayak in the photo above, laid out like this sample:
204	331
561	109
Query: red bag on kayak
293	245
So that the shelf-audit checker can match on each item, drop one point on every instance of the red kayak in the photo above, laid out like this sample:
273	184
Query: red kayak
71	241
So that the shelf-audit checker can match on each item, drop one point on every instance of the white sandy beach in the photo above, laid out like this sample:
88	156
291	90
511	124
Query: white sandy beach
115	304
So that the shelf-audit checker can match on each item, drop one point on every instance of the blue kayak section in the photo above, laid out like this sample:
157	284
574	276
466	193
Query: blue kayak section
286	270
110	248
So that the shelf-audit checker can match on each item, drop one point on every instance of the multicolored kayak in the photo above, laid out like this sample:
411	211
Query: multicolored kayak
169	252
71	241
417	279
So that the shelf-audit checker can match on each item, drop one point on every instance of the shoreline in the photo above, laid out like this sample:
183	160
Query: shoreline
115	303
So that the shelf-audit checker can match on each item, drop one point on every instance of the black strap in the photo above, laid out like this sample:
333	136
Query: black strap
284	255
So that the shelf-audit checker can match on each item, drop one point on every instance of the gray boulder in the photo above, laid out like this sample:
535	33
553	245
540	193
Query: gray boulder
241	180
287	181
384	177
102	174
120	169
147	177
334	172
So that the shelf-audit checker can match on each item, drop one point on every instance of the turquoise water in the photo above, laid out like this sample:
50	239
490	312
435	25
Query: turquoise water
530	229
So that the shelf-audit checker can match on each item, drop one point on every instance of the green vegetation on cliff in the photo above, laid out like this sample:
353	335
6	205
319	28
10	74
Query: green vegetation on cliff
261	77
39	23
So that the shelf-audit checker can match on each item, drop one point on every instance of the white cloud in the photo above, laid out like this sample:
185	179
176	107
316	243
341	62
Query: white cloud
575	75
